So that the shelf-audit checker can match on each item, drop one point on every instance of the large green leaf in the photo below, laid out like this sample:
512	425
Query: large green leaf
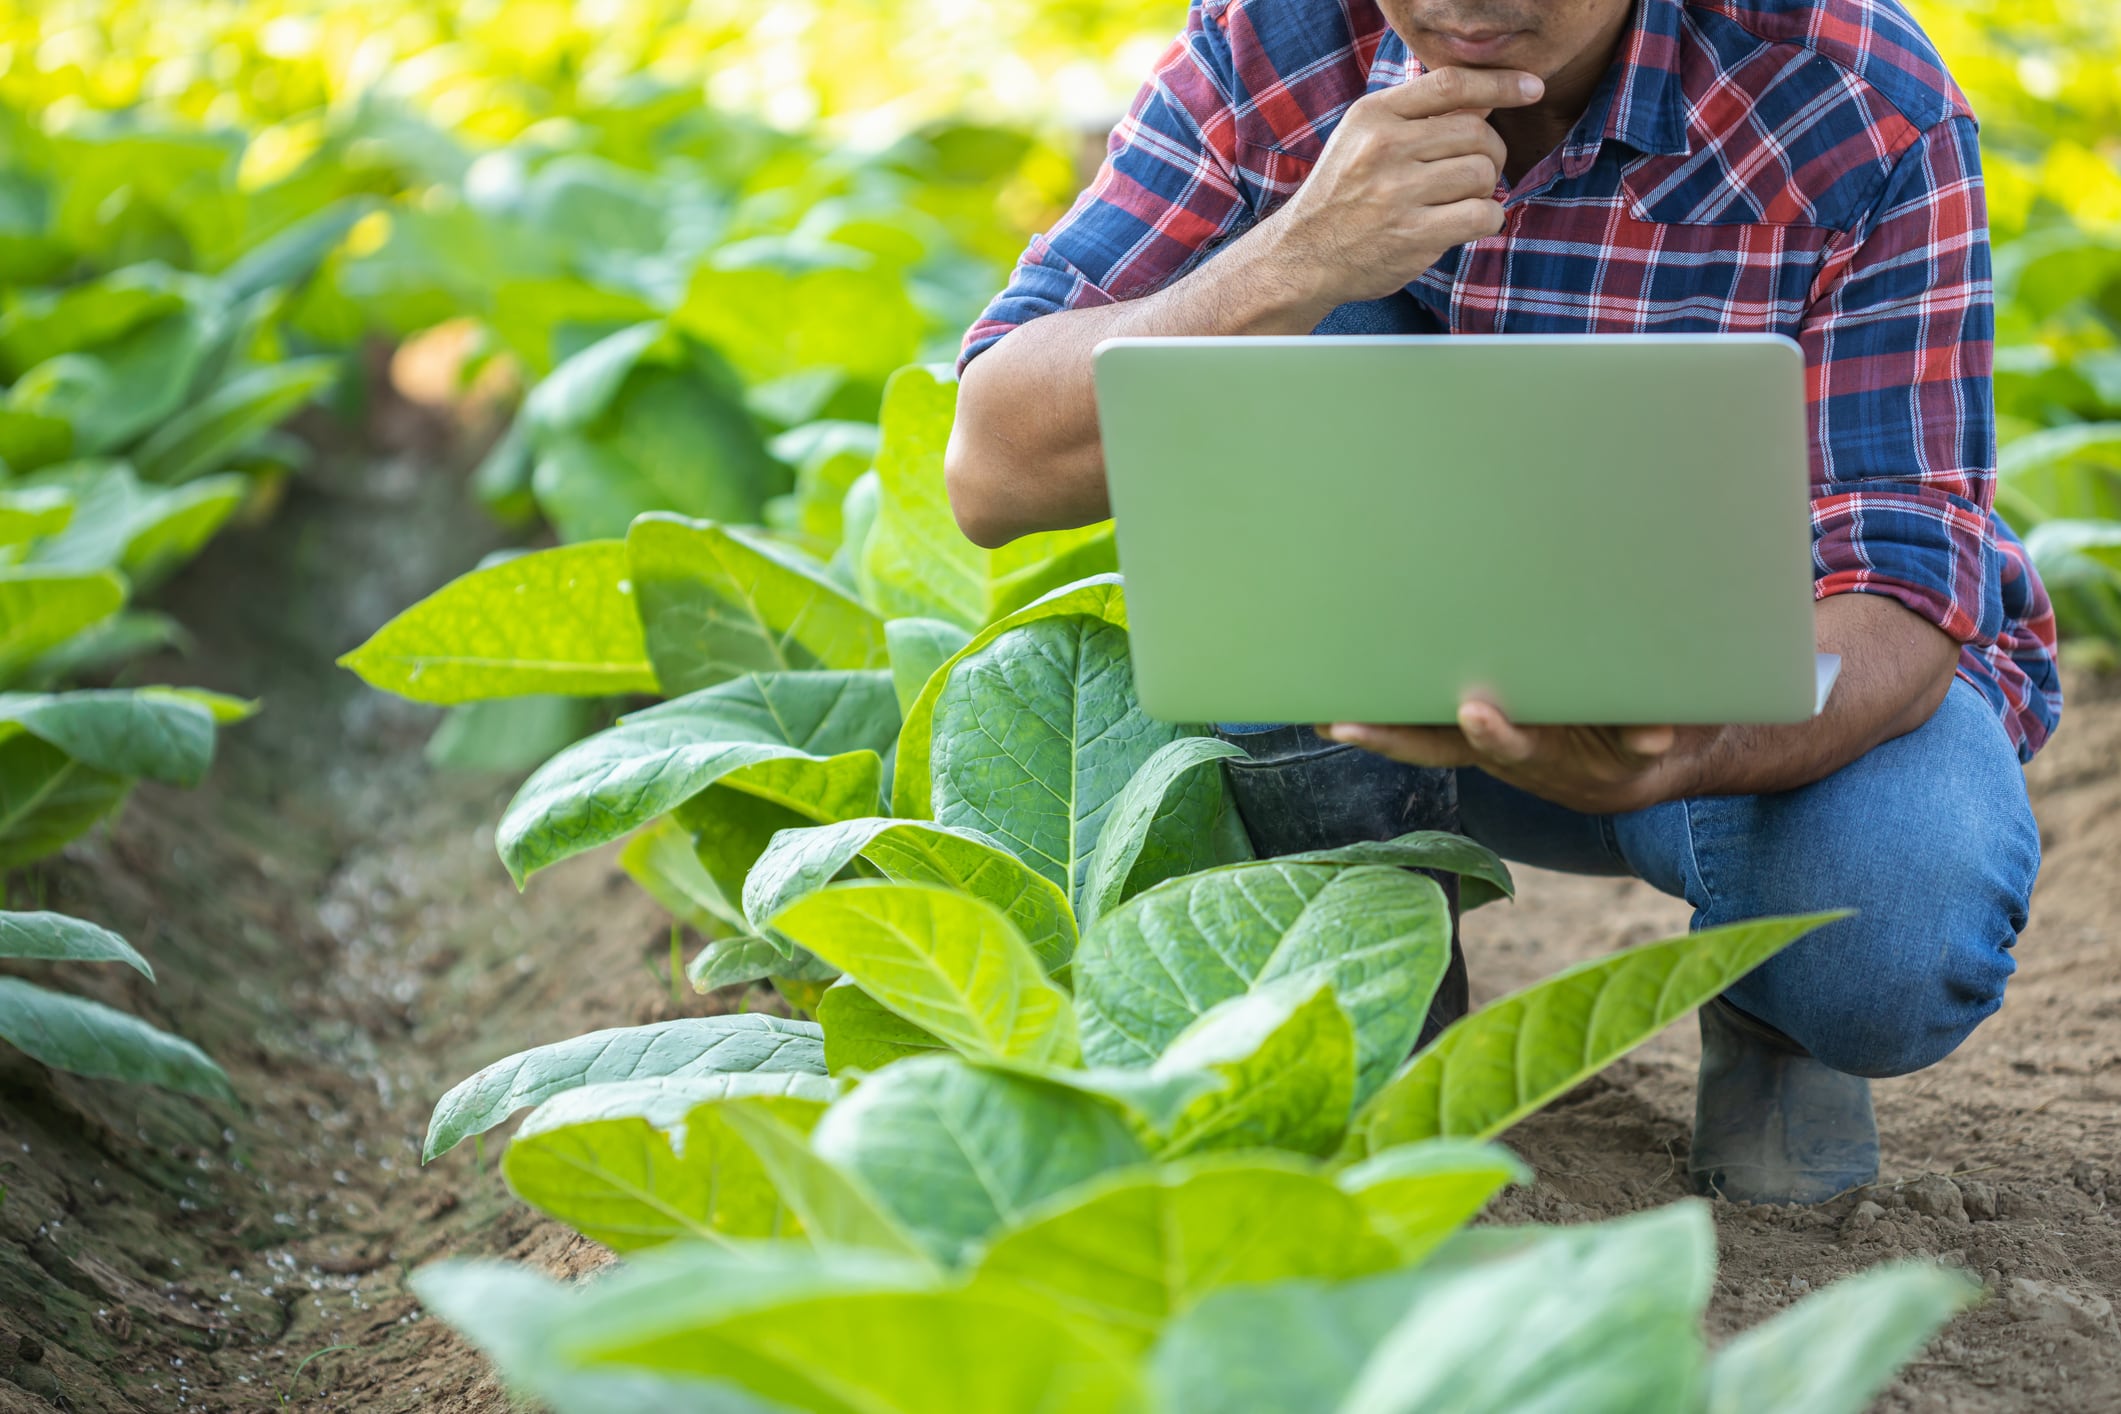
912	789
88	1038
125	733
643	1162
1419	1194
659	428
1035	735
128	526
1492	1068
740	960
661	859
862	1034
1587	1320
1170	820
1833	1352
823	713
29	440
916	563
123	524
834	1209
41	608
122	388
1131	1250
906	1349
541	319
829	457
510	735
1380	937
718	601
556	621
800	862
955	1152
2079	562
2061	473
730	829
522	1318
291	255
205	435
618	780
691	1046
226	709
1593	1320
32	513
1482	876
48	799
43	324
1286	1055
55	937
917	648
777	310
107	648
946	961
585	385
1288	1347
177	526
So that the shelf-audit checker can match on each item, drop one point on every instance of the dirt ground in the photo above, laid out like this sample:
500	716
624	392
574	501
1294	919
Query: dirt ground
329	920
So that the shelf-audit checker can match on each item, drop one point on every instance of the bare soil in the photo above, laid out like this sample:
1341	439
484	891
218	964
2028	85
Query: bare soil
329	920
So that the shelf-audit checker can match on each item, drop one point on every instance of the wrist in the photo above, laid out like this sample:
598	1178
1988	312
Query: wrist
1277	283
1697	766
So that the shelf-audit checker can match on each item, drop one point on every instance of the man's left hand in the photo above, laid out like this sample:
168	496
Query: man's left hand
1596	770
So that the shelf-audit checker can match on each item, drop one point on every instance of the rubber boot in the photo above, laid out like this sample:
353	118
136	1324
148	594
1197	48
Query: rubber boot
1772	1124
1299	792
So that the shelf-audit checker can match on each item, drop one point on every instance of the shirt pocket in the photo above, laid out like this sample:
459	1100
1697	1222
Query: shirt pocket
1687	255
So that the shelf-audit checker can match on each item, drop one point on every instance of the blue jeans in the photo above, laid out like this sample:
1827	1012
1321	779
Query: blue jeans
1929	837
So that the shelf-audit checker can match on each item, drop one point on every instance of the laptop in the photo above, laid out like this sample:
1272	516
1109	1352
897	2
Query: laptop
1587	529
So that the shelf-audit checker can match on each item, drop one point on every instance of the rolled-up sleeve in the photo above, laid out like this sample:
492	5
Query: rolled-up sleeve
1167	191
1900	344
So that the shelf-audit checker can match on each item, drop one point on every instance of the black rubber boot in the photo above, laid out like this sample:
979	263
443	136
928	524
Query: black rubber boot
1772	1124
1300	792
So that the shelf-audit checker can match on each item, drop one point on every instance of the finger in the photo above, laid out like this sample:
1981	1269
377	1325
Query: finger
1441	91
1458	179
1494	735
1463	221
1417	746
1649	741
1458	135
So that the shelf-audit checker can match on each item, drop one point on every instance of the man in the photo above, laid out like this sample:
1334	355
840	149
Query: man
1802	167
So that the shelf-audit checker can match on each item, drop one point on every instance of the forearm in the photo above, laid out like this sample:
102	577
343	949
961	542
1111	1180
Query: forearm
1895	670
1024	454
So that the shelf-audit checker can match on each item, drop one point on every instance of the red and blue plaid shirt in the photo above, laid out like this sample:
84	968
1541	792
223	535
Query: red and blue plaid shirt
1799	167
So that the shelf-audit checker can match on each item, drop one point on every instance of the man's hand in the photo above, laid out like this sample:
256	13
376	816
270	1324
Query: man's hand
1409	173
1596	770
1895	670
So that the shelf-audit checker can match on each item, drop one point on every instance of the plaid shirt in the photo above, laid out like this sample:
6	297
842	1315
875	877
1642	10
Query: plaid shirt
1800	167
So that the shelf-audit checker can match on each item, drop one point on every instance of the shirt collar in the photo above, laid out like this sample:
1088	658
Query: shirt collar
1640	101
1645	103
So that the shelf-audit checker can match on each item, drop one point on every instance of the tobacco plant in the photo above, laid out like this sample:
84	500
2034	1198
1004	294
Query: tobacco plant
75	1034
67	761
1094	1110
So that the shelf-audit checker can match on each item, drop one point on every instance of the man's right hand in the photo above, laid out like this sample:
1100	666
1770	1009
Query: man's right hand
1409	173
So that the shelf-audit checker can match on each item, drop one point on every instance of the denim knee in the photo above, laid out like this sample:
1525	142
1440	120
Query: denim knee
1931	840
1901	1016
1925	960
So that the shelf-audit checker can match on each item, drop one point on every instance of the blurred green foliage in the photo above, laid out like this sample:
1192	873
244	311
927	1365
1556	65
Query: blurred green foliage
702	232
